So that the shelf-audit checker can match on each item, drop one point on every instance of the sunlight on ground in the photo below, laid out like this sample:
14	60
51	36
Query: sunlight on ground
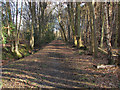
53	66
31	79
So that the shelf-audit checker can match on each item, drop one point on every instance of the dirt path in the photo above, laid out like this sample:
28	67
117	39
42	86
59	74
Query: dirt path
56	65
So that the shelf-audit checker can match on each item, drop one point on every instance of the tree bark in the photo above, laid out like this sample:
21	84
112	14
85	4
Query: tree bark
63	31
17	34
9	21
68	5
102	29
76	24
20	21
87	26
108	36
119	34
32	31
72	24
93	32
39	20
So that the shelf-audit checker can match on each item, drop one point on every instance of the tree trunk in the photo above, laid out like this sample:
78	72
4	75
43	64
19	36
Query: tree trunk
20	21
9	21
68	22
102	30
76	25
87	26
93	31
32	31
72	24
39	20
119	34
102	33
113	24
17	34
35	24
108	36
63	31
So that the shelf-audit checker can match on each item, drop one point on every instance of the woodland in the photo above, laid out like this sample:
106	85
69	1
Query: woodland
58	35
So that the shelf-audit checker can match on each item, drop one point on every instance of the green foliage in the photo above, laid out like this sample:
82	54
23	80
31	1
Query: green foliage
4	35
8	55
5	32
49	36
24	49
4	40
12	27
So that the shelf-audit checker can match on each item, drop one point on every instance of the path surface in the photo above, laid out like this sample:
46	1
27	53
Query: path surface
56	65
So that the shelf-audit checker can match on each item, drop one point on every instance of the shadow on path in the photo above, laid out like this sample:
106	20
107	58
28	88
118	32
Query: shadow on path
55	66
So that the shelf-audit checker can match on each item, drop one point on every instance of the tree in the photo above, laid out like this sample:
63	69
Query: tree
62	29
119	33
17	31
102	29
68	21
9	25
93	31
32	10
108	32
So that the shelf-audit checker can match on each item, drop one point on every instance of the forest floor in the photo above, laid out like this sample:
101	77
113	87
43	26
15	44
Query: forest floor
58	65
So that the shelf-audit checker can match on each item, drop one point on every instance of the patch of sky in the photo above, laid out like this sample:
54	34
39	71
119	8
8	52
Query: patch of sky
82	4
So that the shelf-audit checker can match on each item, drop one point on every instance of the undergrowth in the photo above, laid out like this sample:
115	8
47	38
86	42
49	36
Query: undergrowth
7	54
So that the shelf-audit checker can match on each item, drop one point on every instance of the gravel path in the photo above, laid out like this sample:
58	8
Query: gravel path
55	66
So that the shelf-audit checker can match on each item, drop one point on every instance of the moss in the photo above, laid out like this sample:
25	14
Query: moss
8	55
24	50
